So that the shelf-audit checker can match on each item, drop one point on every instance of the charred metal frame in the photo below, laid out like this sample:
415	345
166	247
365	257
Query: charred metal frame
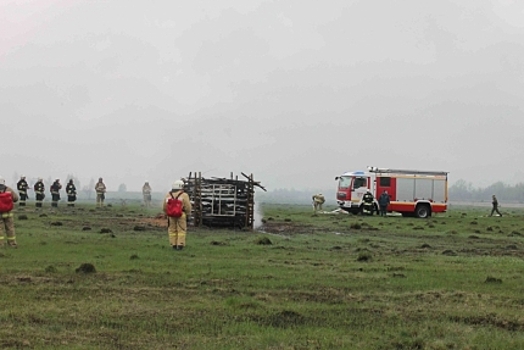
222	202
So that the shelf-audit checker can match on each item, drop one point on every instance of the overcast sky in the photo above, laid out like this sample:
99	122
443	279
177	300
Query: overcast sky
295	92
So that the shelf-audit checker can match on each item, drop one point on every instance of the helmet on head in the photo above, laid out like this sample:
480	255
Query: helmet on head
40	179
22	176
2	181
178	185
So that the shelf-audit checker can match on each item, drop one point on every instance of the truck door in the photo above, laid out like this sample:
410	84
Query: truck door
359	186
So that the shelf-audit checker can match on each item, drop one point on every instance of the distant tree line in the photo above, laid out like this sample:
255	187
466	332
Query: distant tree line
464	191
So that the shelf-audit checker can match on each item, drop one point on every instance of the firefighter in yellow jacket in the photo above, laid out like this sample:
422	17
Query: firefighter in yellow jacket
318	201
146	193
100	189
7	225
177	227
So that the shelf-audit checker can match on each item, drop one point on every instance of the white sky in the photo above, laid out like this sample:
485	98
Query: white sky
295	92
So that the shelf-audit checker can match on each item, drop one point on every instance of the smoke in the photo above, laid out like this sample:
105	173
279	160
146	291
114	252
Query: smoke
258	216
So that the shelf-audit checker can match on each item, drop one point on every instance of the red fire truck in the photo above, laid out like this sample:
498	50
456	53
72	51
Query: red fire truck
412	192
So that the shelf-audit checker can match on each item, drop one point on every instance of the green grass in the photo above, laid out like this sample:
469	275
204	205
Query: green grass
453	281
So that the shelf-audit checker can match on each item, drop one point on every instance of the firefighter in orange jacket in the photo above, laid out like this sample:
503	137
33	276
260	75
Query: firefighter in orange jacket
177	227
7	223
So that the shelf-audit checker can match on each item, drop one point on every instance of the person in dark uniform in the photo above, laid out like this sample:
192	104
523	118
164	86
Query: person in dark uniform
71	193
383	202
22	188
55	192
368	199
494	206
39	189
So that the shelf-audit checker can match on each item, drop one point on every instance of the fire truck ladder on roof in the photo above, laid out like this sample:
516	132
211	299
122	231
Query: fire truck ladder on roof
405	171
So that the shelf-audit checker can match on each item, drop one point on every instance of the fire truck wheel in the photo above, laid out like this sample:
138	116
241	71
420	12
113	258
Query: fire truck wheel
423	211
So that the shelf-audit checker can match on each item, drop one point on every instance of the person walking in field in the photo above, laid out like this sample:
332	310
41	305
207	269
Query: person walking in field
71	193
100	189
39	189
146	193
318	201
494	206
22	186
55	192
177	207
7	226
383	202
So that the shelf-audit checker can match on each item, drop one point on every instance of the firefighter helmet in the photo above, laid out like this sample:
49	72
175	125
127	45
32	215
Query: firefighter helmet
2	181
178	185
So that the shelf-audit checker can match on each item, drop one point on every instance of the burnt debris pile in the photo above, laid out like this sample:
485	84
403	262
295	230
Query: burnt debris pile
222	202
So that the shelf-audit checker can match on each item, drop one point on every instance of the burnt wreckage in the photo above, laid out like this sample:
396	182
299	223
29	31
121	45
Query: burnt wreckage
222	202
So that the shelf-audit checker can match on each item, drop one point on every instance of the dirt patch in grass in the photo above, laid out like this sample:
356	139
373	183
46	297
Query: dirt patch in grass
491	321
152	222
287	228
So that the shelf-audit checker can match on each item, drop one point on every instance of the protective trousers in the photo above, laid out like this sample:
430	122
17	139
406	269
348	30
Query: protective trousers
176	229
55	197
7	228
23	198
39	197
147	200
100	199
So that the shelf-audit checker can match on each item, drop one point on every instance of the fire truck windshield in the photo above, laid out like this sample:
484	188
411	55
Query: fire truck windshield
344	182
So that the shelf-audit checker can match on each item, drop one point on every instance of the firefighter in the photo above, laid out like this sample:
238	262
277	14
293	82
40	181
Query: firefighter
494	206
39	189
318	201
177	227
100	189
146	193
71	193
367	200
7	199
55	192
383	202
22	188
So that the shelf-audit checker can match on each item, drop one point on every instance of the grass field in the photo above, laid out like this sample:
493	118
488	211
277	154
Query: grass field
106	279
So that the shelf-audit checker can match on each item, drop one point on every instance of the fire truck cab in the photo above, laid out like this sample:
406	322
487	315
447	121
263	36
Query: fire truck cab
412	192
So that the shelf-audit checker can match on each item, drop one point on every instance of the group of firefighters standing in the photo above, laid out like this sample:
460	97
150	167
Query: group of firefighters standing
39	188
177	225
